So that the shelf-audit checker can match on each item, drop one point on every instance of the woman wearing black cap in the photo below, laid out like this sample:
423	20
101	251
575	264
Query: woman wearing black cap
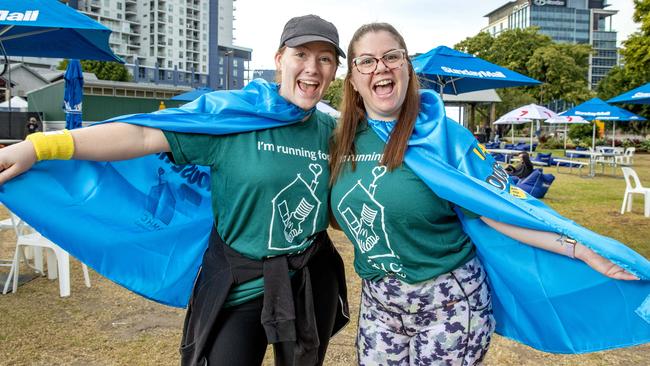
255	284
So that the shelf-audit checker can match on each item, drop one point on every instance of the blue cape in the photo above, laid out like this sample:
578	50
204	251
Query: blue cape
545	300
143	223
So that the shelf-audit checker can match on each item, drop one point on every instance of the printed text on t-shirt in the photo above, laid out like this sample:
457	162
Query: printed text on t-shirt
296	151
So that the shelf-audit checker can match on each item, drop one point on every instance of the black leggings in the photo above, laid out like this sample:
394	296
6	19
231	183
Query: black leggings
239	335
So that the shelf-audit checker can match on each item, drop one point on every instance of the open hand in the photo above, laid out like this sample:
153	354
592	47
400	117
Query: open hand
602	264
16	159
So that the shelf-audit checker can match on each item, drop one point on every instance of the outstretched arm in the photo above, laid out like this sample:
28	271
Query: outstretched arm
554	243
105	142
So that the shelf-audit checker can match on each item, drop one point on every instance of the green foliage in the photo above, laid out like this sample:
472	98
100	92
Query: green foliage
514	47
552	143
104	70
334	93
635	69
561	67
479	45
578	132
645	145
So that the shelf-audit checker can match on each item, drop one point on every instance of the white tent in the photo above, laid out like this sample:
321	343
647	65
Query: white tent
18	104
327	109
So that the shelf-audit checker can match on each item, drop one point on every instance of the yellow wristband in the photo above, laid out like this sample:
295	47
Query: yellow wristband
53	145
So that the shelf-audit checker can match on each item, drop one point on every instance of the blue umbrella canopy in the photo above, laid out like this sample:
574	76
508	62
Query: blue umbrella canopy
192	94
453	72
640	95
73	94
48	28
596	108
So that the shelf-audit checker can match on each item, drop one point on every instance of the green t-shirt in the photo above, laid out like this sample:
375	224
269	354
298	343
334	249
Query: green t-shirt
397	225
269	187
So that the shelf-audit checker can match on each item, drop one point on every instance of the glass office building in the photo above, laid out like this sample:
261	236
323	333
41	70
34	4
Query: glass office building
570	21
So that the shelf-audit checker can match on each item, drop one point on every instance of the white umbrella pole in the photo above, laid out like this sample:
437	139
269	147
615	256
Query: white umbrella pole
566	130
512	130
531	135
593	137
613	133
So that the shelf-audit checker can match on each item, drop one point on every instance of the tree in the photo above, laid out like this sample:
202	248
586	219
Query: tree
480	45
514	47
635	69
334	93
561	67
104	70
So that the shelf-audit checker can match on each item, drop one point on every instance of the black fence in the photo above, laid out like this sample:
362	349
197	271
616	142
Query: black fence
13	125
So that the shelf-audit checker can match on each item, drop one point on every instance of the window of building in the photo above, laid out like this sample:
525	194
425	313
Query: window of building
119	6
180	54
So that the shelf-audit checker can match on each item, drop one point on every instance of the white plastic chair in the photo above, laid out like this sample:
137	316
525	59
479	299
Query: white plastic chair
626	158
6	225
633	186
58	260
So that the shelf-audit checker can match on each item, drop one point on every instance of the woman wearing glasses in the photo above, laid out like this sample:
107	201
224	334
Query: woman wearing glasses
425	299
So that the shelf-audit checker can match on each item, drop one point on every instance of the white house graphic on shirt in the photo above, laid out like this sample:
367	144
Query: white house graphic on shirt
367	225
295	209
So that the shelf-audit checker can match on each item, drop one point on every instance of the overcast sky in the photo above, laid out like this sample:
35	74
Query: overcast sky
424	24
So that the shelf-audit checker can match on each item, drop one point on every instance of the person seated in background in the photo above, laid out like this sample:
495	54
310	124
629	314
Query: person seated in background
523	169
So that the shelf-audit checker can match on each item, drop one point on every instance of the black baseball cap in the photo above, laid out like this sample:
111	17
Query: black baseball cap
310	28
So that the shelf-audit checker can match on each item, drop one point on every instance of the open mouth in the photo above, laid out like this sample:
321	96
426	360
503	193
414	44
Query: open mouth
384	87
308	86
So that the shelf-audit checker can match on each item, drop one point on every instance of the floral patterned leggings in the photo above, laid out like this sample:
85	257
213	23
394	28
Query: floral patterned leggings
443	321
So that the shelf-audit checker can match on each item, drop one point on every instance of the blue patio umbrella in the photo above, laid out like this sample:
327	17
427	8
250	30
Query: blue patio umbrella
452	72
640	95
49	28
597	109
73	94
192	94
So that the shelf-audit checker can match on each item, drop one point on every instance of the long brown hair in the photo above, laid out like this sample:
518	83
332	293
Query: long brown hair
353	111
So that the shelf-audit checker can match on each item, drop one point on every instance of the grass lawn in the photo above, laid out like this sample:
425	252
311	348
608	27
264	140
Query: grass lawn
107	325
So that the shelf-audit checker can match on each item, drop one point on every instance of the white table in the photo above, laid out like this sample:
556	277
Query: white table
507	152
593	157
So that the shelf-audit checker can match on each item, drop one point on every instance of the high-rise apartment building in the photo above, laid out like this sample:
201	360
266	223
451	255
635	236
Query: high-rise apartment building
184	42
570	21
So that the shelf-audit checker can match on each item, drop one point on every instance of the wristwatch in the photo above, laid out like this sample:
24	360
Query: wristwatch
569	246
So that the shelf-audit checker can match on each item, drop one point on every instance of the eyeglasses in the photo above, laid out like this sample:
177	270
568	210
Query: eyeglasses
368	64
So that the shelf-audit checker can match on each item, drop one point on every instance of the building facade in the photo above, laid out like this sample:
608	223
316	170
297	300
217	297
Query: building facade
176	42
569	21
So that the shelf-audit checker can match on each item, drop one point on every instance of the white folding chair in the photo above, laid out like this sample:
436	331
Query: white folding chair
633	186
58	260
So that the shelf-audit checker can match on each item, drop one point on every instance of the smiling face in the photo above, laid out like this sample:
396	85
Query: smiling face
384	90
306	72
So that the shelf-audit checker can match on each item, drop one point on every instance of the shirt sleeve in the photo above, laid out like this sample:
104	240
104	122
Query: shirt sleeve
191	148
